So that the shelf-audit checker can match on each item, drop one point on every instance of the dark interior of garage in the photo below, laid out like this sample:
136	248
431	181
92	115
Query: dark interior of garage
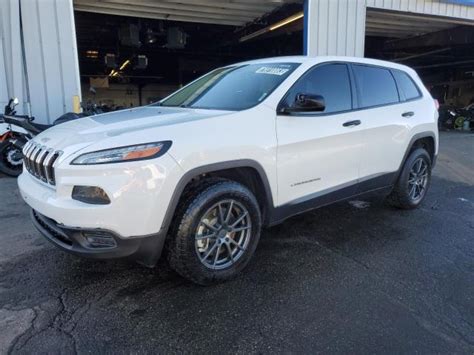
127	61
440	50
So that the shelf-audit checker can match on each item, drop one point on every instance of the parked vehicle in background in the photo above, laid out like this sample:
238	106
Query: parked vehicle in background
243	147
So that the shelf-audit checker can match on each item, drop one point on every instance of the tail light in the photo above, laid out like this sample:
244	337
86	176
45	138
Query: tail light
436	102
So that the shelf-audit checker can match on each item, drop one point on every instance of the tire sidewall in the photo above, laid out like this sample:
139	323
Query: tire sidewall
192	217
4	167
404	176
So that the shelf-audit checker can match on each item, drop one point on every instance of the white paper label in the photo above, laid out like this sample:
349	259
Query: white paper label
271	70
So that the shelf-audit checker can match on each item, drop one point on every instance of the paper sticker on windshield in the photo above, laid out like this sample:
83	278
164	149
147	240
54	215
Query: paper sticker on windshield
272	70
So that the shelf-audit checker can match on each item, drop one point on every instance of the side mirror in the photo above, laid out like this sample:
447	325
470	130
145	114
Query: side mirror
15	101
306	103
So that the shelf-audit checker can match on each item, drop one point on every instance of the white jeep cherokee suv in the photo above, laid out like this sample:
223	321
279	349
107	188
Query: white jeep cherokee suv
247	145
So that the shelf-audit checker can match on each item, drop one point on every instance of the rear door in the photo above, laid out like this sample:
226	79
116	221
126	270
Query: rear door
385	127
319	152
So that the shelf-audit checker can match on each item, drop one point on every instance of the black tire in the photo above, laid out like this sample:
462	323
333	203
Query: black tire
400	196
5	166
182	247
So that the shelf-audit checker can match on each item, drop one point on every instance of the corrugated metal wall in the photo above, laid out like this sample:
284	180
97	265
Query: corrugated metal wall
48	68
337	27
12	78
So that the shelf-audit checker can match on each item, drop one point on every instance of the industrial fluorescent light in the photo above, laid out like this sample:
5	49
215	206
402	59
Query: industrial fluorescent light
273	27
287	21
127	62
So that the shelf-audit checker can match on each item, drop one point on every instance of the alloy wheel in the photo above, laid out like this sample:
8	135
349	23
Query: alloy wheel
223	234
418	179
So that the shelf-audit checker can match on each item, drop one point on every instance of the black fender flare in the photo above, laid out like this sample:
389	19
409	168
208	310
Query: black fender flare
425	134
210	168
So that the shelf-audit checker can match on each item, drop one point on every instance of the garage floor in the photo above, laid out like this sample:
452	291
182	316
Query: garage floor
359	277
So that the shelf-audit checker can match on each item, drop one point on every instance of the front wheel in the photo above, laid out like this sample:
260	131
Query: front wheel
413	182
215	232
11	159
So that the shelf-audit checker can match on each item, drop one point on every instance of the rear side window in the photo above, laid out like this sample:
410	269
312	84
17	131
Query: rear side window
406	85
329	80
376	86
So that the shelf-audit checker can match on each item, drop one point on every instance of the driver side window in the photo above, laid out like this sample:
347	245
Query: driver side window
328	80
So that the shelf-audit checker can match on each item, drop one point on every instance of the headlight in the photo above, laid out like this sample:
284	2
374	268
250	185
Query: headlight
123	154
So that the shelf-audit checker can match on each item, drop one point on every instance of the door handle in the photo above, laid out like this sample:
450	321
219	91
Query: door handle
351	123
408	114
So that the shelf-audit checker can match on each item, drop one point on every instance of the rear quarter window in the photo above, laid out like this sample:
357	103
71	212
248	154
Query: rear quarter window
376	86
406	85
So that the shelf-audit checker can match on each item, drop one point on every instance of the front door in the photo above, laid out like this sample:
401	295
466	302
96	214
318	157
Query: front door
319	153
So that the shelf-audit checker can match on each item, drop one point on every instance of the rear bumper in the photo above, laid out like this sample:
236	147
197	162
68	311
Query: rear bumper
99	243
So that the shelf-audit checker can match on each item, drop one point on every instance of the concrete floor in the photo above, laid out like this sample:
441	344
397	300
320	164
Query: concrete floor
347	278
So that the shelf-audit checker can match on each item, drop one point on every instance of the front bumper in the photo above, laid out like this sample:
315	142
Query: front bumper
139	195
99	243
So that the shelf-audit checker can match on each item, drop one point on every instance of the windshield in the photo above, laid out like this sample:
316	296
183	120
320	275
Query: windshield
232	88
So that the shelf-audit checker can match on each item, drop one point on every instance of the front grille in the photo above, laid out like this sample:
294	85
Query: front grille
39	161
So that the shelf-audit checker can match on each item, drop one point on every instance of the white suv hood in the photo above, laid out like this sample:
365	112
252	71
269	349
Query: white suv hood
77	134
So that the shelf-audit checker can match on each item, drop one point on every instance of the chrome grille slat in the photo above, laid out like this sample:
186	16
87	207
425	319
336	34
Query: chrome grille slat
39	162
30	159
47	159
33	161
51	167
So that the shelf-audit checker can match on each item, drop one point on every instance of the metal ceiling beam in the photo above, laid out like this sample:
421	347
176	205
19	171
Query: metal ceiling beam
418	55
422	24
156	16
166	12
430	18
185	8
385	34
457	63
397	22
413	30
261	7
456	36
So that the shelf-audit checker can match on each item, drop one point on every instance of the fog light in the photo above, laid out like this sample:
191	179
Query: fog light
100	240
90	194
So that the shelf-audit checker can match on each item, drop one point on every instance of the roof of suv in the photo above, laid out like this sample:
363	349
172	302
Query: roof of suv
320	59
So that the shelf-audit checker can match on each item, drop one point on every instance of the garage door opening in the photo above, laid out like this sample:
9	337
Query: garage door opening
440	49
135	55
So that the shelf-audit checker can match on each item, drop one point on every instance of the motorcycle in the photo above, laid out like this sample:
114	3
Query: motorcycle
10	154
451	117
19	130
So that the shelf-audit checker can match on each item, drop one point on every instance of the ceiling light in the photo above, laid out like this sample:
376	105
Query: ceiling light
273	27
127	62
287	21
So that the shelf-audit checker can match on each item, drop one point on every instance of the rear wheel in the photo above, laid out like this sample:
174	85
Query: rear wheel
215	232
11	159
413	182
